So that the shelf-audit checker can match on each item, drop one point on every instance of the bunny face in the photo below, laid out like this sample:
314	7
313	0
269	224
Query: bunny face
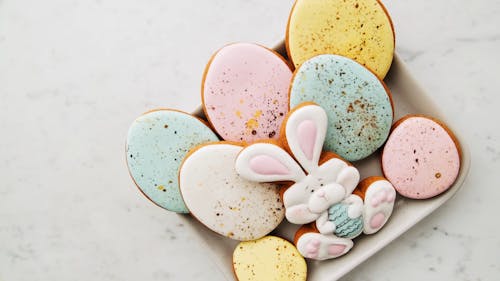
306	200
316	187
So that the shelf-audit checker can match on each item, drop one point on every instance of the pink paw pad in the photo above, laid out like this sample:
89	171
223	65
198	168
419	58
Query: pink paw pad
377	220
313	246
382	197
310	248
375	202
336	249
391	196
313	249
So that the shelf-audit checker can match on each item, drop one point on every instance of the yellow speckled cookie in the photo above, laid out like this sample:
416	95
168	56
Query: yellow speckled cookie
269	258
359	29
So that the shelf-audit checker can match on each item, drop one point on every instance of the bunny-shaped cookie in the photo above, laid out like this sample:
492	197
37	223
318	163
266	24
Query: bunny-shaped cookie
322	183
315	192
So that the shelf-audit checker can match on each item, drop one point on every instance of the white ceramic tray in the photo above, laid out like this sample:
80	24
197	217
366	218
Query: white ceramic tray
408	97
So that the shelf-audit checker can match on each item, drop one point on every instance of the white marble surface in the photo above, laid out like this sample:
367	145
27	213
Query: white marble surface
75	73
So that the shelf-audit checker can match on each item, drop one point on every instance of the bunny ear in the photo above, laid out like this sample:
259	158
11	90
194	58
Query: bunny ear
266	162
305	131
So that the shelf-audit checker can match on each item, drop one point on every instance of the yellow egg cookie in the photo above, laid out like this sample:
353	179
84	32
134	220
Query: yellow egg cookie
359	29
268	258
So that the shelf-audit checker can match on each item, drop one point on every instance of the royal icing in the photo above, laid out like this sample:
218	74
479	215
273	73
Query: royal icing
266	165
379	203
305	132
420	158
278	165
322	247
224	201
357	104
245	92
347	217
157	142
358	29
268	258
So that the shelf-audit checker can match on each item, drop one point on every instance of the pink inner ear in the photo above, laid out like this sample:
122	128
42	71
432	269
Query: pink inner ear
267	165
306	134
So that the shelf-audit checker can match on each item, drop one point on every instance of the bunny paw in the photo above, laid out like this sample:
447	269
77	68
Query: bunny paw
355	206
318	246
312	248
325	225
300	214
378	205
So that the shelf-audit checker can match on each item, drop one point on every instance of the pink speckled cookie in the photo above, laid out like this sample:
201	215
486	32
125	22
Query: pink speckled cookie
245	92
421	157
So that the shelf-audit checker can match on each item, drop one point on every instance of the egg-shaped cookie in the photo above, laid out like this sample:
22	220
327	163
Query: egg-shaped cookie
345	225
156	145
268	258
358	104
245	92
359	29
421	157
222	200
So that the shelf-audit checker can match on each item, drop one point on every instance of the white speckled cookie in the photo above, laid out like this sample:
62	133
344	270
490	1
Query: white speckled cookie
222	200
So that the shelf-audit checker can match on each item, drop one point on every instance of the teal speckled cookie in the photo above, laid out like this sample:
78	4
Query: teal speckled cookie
157	143
358	105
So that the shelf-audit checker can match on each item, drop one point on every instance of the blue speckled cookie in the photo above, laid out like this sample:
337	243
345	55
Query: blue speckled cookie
157	143
358	105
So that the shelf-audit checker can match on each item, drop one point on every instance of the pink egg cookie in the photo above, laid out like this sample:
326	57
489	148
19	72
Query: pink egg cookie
421	157
245	92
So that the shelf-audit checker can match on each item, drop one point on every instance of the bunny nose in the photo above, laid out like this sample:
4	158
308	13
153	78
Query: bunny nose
321	193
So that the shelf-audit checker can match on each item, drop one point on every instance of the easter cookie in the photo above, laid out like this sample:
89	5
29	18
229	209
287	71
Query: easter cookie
222	200
358	105
268	258
378	195
245	92
421	157
361	30
156	145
